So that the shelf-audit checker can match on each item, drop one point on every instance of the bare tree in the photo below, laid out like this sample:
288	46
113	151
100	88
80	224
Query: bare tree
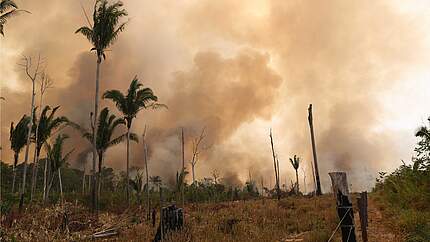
276	165
145	149
44	84
314	151
304	180
196	143
32	74
183	166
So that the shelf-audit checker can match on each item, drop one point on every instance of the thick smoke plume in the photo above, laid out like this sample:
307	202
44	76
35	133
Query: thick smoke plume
235	68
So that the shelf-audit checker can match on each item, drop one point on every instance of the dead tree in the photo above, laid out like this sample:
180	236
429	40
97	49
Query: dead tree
196	143
32	75
145	149
276	166
183	166
314	151
45	84
304	180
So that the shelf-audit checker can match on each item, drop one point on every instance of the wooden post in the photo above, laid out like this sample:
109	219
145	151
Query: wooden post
314	152
344	205
362	211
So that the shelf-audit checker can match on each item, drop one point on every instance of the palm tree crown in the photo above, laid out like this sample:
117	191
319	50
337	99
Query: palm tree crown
106	126
137	98
18	134
106	26
55	153
46	125
8	9
295	162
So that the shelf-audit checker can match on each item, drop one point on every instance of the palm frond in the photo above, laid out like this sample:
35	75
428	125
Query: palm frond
6	5
86	31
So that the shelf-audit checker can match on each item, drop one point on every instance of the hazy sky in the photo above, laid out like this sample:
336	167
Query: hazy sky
239	68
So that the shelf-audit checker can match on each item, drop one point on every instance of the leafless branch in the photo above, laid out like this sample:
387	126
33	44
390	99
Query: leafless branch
45	83
196	143
27	65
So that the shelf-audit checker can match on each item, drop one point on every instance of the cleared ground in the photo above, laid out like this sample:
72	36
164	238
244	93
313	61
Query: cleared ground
291	219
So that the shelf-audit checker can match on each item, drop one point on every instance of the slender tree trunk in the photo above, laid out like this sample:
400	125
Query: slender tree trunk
36	153
314	152
61	185
128	165
94	199
45	180
89	181
48	190
33	174
194	179
276	168
27	148
304	182
99	178
183	168
297	182
147	181
83	181
35	171
14	171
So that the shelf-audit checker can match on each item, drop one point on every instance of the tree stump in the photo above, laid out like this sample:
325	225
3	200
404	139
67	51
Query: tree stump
171	219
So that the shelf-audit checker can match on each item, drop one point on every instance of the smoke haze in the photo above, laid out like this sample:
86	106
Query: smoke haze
238	68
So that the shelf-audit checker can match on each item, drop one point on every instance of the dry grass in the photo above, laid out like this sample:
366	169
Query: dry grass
309	219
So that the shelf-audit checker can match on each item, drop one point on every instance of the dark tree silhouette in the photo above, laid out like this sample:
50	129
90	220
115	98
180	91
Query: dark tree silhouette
18	140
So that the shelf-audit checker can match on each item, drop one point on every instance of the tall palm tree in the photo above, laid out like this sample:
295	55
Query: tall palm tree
104	31
56	159
46	125
136	99
106	127
8	9
295	162
18	139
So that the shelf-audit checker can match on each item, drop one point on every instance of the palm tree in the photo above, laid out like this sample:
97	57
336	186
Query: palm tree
136	99
107	124
8	9
102	34
46	125
18	139
137	185
57	159
295	162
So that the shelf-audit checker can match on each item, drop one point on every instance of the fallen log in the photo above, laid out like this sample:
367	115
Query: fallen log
105	233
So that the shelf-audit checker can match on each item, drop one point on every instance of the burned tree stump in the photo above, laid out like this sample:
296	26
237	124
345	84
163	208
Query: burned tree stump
171	219
344	205
362	211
